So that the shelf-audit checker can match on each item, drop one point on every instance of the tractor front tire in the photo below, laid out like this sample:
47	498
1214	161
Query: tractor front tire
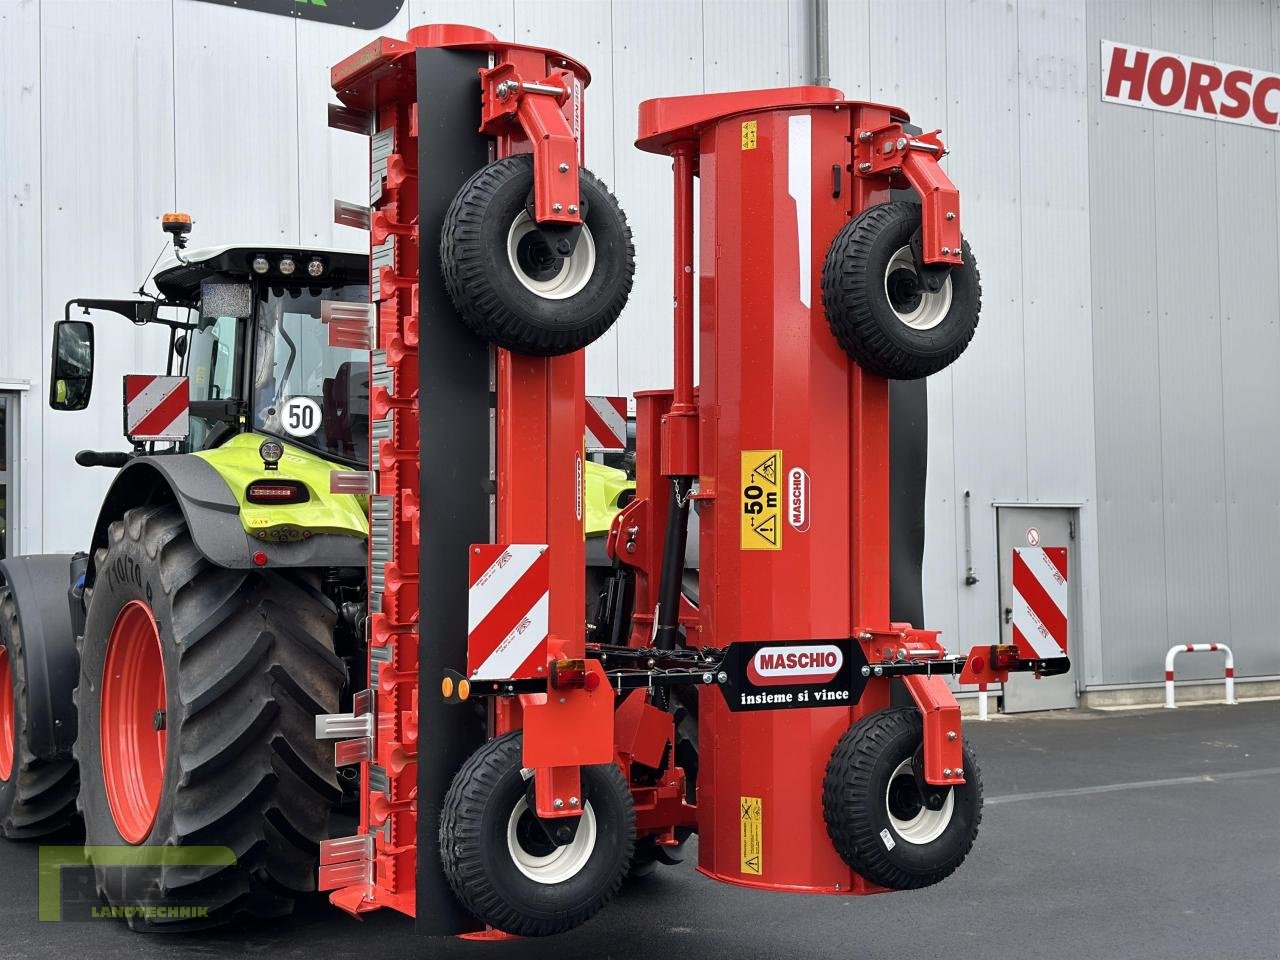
510	287
199	688
500	863
874	812
37	797
878	308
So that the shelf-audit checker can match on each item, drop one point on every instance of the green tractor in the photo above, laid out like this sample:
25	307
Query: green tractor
164	685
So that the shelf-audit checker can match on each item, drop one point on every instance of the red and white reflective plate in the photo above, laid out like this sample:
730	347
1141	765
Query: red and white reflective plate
156	408
1040	602
606	423
508	606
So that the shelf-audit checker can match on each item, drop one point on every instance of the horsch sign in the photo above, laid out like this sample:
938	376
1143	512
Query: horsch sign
1174	83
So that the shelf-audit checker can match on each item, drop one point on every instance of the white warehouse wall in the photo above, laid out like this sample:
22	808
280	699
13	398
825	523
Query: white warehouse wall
113	111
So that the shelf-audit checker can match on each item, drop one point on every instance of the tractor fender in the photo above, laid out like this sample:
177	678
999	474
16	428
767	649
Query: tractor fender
39	585
213	517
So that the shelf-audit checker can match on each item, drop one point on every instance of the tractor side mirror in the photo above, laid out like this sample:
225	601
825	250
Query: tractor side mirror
71	369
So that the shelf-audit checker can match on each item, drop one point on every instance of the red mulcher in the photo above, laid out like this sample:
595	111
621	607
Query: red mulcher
751	686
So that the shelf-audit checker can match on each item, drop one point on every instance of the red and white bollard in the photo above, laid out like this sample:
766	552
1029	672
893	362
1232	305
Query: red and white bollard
1230	675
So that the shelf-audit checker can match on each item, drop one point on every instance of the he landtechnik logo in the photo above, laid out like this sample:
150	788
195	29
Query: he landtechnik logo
68	888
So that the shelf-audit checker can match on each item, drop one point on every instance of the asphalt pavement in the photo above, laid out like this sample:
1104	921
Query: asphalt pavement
1146	834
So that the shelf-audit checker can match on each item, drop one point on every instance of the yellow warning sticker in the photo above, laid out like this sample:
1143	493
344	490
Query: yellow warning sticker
749	134
751	811
761	524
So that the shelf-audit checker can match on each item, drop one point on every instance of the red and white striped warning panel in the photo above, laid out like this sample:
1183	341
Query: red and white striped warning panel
1040	602
606	423
156	408
508	602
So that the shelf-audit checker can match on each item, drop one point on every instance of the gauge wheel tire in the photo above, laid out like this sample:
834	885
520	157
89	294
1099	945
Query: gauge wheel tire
877	309
873	811
37	796
509	287
240	662
507	873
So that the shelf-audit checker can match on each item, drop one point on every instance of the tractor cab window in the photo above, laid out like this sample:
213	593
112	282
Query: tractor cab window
303	389
211	367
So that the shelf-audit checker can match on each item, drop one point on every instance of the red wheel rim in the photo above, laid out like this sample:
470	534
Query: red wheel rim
133	750
6	715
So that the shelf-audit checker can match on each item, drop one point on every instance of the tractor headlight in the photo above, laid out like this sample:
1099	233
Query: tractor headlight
287	266
271	451
261	264
315	267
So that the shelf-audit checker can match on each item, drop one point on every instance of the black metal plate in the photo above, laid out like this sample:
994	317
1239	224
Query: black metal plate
361	14
454	403
793	674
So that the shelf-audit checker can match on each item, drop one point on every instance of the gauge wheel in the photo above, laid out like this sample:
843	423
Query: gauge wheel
880	310
530	290
501	862
875	813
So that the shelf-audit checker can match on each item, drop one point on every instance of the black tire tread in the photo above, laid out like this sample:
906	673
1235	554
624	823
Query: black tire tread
847	290
461	834
252	676
471	287
44	797
847	802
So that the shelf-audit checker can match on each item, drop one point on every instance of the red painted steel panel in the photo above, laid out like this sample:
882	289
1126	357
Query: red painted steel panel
773	379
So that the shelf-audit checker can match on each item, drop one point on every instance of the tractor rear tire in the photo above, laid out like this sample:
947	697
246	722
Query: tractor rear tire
513	290
37	797
241	662
505	871
878	309
873	809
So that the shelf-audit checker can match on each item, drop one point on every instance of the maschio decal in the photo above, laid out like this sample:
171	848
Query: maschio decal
798	499
792	674
361	14
775	666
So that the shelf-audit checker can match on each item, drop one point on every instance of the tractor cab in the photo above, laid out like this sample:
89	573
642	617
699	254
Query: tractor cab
257	353
250	331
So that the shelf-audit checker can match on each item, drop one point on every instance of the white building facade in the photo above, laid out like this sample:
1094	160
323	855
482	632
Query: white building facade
1122	381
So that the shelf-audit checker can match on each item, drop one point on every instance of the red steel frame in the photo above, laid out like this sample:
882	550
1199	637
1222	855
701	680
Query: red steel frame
798	368
530	102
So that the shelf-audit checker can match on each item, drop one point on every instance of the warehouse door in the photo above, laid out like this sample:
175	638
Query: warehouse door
1033	540
8	472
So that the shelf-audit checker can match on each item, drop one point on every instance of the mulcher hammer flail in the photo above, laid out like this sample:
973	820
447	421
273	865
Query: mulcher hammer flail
515	761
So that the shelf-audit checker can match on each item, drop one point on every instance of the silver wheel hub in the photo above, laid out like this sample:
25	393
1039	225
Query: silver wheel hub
911	820
912	304
543	862
540	270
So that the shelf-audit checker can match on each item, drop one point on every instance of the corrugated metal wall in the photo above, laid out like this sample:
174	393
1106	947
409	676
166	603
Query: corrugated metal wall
1012	421
1128	258
1183	219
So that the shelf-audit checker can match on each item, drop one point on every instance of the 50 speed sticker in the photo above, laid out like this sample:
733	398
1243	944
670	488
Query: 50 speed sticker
761	499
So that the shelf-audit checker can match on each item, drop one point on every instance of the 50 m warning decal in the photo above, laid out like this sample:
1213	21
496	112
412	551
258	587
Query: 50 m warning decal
751	812
761	499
